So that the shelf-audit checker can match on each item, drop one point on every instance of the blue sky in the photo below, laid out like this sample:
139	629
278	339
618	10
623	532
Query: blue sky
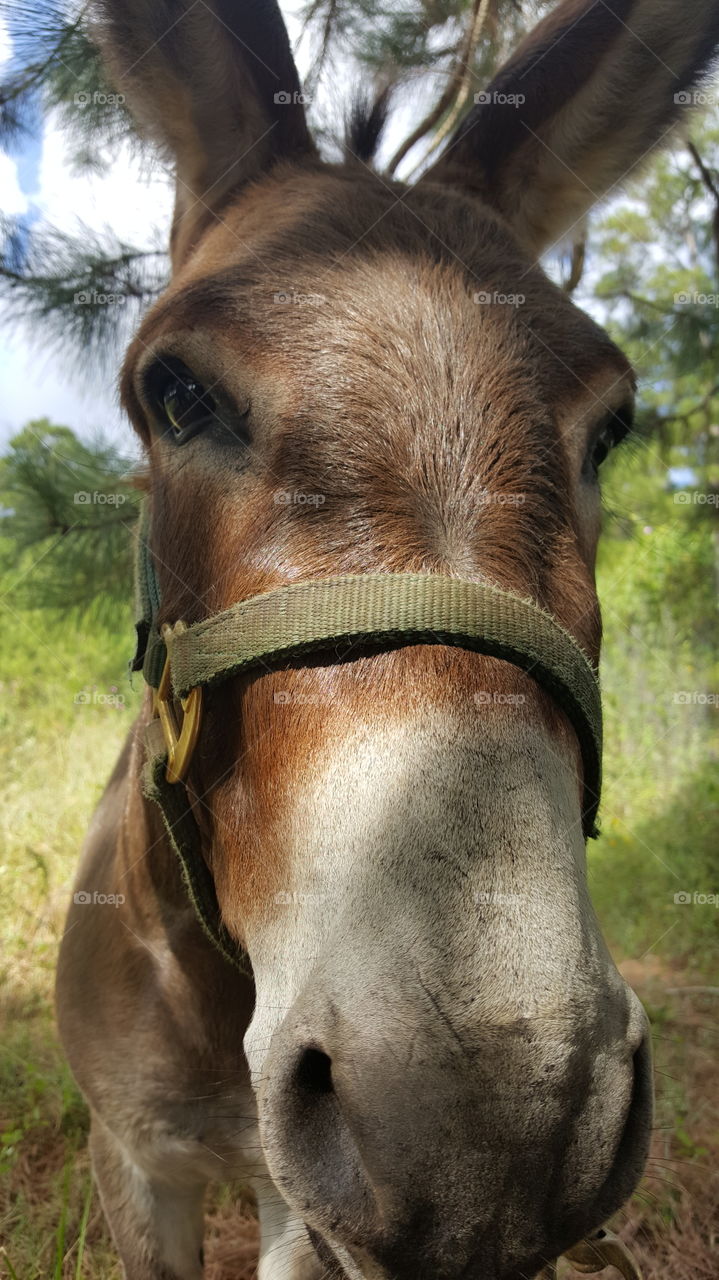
28	164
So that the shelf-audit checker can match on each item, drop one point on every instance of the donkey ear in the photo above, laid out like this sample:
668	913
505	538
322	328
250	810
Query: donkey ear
213	82
587	95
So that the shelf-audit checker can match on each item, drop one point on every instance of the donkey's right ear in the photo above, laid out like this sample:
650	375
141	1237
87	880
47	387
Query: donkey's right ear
213	82
587	96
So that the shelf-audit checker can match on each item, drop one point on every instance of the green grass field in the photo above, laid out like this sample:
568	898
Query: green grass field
659	839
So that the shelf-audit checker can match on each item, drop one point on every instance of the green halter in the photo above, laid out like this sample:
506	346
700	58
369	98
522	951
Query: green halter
332	616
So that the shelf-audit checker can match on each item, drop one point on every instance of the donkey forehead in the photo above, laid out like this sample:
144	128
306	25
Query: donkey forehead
339	265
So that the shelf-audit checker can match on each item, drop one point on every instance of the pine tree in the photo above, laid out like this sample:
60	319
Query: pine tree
68	511
658	286
55	283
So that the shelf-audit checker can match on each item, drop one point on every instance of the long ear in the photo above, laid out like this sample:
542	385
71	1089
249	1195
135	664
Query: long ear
586	96
213	81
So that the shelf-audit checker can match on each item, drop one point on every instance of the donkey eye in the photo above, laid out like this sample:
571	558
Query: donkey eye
182	404
611	432
602	446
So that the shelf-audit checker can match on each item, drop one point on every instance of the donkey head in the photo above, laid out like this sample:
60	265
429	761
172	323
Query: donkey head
347	374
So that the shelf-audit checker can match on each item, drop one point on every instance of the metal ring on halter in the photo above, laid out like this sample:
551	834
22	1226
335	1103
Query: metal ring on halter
180	739
603	1249
593	1254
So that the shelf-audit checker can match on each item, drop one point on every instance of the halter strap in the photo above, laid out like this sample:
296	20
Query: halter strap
333	617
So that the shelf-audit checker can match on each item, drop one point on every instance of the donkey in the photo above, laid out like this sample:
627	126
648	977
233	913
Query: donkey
428	1066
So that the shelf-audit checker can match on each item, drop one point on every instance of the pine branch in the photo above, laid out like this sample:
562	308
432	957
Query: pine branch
454	96
68	514
386	42
85	291
577	260
701	405
329	23
711	186
56	67
34	74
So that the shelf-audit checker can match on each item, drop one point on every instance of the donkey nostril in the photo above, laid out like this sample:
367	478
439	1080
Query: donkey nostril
314	1072
311	1141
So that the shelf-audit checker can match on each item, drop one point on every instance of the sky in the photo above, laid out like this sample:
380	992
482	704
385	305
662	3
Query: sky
38	181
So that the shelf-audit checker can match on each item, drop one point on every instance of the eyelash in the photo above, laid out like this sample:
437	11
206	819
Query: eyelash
612	431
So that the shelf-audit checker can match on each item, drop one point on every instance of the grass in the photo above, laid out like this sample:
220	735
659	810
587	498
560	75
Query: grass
55	753
659	839
660	807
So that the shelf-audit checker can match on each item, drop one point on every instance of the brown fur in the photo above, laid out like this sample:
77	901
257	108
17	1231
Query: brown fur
408	498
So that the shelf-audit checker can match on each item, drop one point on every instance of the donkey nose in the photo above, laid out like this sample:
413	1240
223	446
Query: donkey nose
422	1155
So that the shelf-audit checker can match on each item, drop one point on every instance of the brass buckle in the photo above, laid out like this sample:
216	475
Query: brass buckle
180	739
593	1254
603	1249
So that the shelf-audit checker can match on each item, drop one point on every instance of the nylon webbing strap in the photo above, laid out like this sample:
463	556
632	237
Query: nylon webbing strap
176	810
335	614
147	600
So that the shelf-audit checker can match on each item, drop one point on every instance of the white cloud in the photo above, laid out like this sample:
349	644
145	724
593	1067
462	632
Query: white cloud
129	201
13	199
133	205
5	42
35	386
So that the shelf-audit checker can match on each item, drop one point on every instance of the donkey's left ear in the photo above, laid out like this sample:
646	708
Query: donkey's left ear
589	93
213	81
